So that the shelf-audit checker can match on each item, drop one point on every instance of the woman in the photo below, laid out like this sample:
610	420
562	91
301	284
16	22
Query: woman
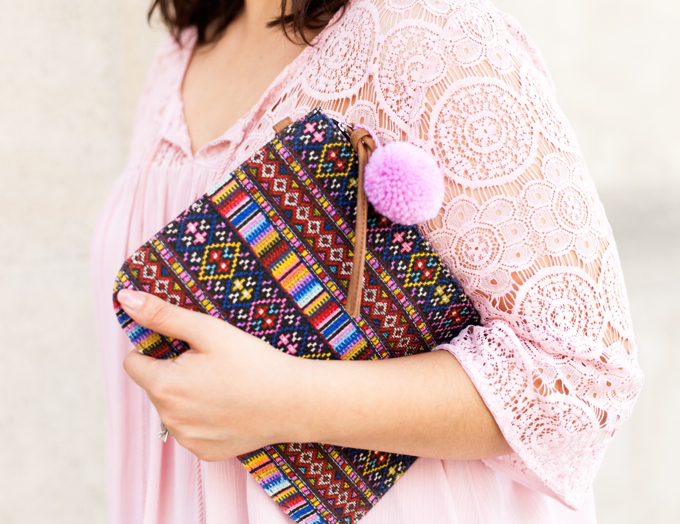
512	416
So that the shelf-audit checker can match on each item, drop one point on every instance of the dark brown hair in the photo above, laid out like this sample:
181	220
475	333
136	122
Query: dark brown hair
216	15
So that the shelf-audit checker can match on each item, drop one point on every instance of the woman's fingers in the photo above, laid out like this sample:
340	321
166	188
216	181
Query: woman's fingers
142	370
172	321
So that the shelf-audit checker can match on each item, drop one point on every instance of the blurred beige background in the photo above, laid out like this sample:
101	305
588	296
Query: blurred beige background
70	73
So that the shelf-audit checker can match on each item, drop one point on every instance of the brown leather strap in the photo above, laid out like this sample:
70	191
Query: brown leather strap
364	145
280	126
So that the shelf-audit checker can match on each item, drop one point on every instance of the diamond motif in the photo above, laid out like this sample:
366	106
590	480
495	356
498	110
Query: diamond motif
264	317
423	270
336	160
219	261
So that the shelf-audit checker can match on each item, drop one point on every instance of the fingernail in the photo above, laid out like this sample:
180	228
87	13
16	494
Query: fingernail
130	299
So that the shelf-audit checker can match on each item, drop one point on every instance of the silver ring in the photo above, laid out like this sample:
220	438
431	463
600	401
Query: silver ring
164	433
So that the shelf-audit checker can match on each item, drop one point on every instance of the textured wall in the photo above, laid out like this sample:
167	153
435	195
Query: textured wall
615	64
70	72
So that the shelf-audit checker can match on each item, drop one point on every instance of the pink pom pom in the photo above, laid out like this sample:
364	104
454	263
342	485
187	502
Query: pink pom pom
404	184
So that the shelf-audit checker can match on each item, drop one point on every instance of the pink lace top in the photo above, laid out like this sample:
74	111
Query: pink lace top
522	229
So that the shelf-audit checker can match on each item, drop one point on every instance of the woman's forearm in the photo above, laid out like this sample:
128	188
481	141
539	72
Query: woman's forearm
233	393
422	405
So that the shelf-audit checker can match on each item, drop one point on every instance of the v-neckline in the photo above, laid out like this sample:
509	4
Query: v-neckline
236	132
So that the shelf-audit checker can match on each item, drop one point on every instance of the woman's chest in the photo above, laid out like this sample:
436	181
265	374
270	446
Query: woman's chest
224	81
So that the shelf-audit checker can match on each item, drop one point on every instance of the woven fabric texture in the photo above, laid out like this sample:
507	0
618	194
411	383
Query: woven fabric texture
269	249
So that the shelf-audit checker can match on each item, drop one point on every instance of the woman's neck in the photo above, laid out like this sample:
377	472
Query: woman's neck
257	13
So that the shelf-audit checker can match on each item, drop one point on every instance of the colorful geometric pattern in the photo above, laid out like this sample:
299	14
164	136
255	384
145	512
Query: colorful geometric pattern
269	250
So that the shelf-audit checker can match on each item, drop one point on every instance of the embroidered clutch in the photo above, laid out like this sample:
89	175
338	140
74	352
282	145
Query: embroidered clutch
270	249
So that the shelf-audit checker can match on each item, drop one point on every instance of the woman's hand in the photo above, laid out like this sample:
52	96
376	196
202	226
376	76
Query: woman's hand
224	397
217	398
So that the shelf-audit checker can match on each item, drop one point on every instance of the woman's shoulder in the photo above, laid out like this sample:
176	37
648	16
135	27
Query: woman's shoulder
399	57
458	32
480	20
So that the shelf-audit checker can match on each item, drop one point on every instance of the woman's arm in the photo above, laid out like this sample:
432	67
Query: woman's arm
523	231
423	405
233	393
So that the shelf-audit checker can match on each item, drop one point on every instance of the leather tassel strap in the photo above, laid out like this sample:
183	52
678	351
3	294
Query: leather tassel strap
283	124
364	145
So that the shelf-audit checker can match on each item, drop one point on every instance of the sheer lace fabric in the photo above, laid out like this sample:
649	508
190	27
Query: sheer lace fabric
521	228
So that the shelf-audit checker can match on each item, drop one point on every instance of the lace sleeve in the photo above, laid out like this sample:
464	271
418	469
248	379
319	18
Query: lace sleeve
522	227
523	230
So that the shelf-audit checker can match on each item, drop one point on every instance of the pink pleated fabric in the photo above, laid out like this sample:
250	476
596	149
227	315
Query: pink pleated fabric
521	228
